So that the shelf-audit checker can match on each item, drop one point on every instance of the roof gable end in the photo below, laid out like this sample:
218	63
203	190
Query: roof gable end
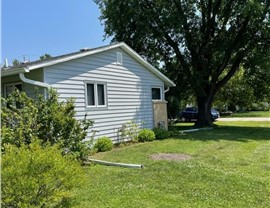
26	67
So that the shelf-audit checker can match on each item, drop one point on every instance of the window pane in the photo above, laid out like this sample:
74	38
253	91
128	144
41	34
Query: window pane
101	94
156	94
9	90
90	94
19	87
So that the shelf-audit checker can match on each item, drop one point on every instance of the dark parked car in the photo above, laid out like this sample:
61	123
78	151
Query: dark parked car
191	113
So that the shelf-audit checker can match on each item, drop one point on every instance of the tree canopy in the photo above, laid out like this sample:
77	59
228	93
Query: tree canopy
200	43
45	56
15	62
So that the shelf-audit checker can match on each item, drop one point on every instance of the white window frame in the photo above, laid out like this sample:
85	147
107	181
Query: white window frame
96	83
161	93
11	85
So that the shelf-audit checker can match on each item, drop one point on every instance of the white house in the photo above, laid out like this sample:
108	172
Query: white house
112	84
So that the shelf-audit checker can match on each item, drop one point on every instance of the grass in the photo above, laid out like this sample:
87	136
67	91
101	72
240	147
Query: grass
229	168
251	114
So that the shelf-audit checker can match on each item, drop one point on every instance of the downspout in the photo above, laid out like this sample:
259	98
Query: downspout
33	82
168	88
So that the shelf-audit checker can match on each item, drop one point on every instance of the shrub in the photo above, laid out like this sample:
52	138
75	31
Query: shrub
146	135
128	132
38	176
103	144
161	133
24	118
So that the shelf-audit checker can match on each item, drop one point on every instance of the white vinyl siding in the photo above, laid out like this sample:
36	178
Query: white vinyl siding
128	90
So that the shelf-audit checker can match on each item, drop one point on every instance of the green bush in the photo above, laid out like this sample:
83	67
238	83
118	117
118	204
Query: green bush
24	118
161	133
146	135
103	144
38	175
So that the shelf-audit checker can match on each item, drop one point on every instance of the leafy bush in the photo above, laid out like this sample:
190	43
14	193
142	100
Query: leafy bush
146	135
24	118
38	175
103	144
161	133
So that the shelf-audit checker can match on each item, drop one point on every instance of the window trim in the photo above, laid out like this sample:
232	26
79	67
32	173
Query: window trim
12	84
96	105
161	93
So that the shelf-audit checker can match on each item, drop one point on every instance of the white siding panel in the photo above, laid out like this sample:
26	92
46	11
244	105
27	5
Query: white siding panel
128	90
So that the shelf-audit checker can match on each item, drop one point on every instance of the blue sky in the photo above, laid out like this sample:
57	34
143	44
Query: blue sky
35	27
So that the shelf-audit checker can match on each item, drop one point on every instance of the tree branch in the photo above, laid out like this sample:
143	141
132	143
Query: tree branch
188	37
232	71
159	29
234	45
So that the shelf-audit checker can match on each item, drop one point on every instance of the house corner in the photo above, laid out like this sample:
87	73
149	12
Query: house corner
160	114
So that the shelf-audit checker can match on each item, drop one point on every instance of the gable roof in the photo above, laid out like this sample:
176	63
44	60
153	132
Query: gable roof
26	67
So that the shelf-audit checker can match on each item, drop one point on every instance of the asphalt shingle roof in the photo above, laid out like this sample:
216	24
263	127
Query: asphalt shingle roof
31	63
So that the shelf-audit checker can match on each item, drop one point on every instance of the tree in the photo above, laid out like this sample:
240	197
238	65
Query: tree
15	62
257	75
237	92
45	57
246	88
200	42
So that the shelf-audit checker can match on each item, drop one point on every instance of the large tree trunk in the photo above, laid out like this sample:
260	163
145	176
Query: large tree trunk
204	112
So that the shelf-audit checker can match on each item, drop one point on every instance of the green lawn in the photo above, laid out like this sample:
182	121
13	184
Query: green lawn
229	167
251	114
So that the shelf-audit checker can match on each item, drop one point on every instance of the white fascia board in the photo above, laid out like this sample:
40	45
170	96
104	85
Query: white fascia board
7	72
151	68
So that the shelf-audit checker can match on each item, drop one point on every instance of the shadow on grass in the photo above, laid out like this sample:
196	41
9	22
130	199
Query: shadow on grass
232	133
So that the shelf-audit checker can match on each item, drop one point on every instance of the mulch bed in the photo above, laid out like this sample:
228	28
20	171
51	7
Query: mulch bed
171	157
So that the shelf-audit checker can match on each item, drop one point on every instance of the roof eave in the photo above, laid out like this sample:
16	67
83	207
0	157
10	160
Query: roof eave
7	72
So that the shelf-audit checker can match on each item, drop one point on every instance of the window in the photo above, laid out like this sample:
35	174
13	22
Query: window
96	94
156	93
9	88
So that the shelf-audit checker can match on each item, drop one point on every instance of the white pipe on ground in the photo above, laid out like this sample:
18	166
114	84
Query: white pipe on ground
192	130
102	162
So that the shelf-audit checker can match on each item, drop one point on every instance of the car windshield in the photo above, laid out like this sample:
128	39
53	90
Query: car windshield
190	109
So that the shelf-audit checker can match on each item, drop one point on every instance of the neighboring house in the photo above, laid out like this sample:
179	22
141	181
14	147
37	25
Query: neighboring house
111	84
